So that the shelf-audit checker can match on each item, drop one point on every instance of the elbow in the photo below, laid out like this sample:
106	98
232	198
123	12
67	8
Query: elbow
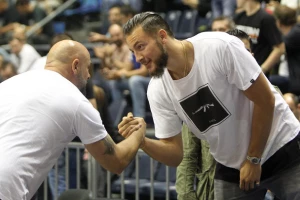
118	169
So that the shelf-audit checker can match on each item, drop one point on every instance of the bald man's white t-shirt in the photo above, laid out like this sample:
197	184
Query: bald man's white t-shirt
210	100
40	113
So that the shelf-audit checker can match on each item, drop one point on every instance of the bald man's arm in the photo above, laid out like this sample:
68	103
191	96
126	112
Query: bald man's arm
116	157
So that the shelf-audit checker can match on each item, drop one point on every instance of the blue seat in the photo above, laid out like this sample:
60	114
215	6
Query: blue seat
130	182
202	24
187	24
130	169
172	18
159	185
79	194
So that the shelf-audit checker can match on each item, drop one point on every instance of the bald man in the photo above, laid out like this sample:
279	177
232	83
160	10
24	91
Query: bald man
42	111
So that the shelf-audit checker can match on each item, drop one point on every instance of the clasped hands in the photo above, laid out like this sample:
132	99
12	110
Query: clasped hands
130	124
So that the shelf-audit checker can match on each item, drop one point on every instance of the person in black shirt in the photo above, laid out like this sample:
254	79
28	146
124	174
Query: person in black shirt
265	36
32	14
287	24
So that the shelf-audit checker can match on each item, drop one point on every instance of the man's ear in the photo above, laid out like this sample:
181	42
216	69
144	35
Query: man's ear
75	66
162	35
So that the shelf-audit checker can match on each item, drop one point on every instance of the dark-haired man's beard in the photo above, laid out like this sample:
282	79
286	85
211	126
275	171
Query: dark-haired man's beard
161	62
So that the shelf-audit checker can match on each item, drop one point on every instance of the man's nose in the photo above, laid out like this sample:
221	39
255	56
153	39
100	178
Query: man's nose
139	57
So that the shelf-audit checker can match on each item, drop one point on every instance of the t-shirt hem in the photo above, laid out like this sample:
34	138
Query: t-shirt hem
254	77
95	139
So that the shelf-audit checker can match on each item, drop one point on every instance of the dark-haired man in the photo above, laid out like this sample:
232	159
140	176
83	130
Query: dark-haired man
215	86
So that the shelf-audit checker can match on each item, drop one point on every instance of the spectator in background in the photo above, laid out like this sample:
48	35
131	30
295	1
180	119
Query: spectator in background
295	4
115	56
136	81
222	24
7	70
287	24
157	5
31	15
10	18
23	55
114	17
223	8
265	36
127	12
5	55
293	101
203	6
49	6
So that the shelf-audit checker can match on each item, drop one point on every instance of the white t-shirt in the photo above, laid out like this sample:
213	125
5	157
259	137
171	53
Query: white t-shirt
39	63
40	113
211	102
27	56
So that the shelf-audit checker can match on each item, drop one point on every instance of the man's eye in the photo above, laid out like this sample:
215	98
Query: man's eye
140	47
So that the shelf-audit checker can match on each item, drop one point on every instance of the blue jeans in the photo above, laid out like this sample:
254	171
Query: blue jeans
118	87
61	180
223	8
137	85
285	185
61	172
138	90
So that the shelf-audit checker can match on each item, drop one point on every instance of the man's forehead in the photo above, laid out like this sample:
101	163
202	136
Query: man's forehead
137	34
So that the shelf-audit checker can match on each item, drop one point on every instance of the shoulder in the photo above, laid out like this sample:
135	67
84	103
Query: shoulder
211	41
266	17
239	15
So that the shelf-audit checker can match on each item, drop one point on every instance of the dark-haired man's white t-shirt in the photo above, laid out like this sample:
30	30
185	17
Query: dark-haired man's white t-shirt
41	112
210	100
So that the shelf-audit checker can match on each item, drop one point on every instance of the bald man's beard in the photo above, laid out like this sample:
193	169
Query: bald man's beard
81	82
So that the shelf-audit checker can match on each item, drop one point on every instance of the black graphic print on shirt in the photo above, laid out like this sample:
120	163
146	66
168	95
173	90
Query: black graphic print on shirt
204	109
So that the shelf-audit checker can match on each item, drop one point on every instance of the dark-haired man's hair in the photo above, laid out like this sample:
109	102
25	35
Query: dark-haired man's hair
150	23
59	37
240	34
285	15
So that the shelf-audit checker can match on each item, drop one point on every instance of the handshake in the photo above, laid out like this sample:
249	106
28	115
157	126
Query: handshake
133	126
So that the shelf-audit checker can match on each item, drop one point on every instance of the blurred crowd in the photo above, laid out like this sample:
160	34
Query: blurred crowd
117	76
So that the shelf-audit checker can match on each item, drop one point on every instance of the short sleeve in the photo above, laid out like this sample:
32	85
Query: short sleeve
88	124
166	121
240	67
